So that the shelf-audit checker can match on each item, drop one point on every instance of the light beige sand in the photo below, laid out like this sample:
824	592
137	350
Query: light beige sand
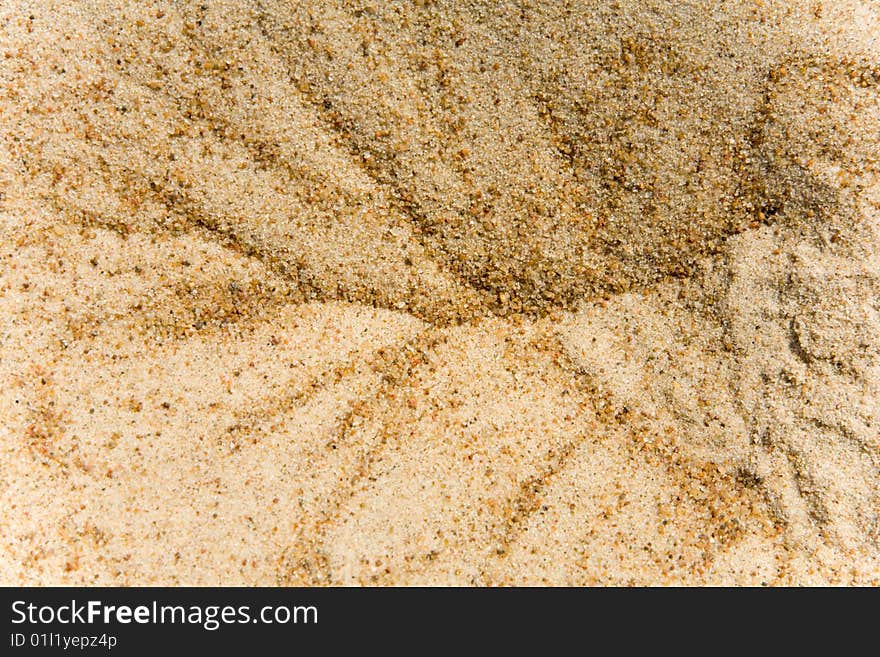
440	292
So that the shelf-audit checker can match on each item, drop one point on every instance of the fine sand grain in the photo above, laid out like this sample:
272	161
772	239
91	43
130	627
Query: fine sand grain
440	292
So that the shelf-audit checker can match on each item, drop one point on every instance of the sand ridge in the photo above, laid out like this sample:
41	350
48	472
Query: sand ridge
439	292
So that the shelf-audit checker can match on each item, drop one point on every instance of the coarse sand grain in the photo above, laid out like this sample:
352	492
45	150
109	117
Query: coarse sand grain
440	292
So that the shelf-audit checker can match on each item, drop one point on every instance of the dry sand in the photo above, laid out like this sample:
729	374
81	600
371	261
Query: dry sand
440	292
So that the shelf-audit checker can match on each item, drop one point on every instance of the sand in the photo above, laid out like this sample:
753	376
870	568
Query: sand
440	292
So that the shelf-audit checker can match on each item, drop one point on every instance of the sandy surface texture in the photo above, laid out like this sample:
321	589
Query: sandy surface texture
440	292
